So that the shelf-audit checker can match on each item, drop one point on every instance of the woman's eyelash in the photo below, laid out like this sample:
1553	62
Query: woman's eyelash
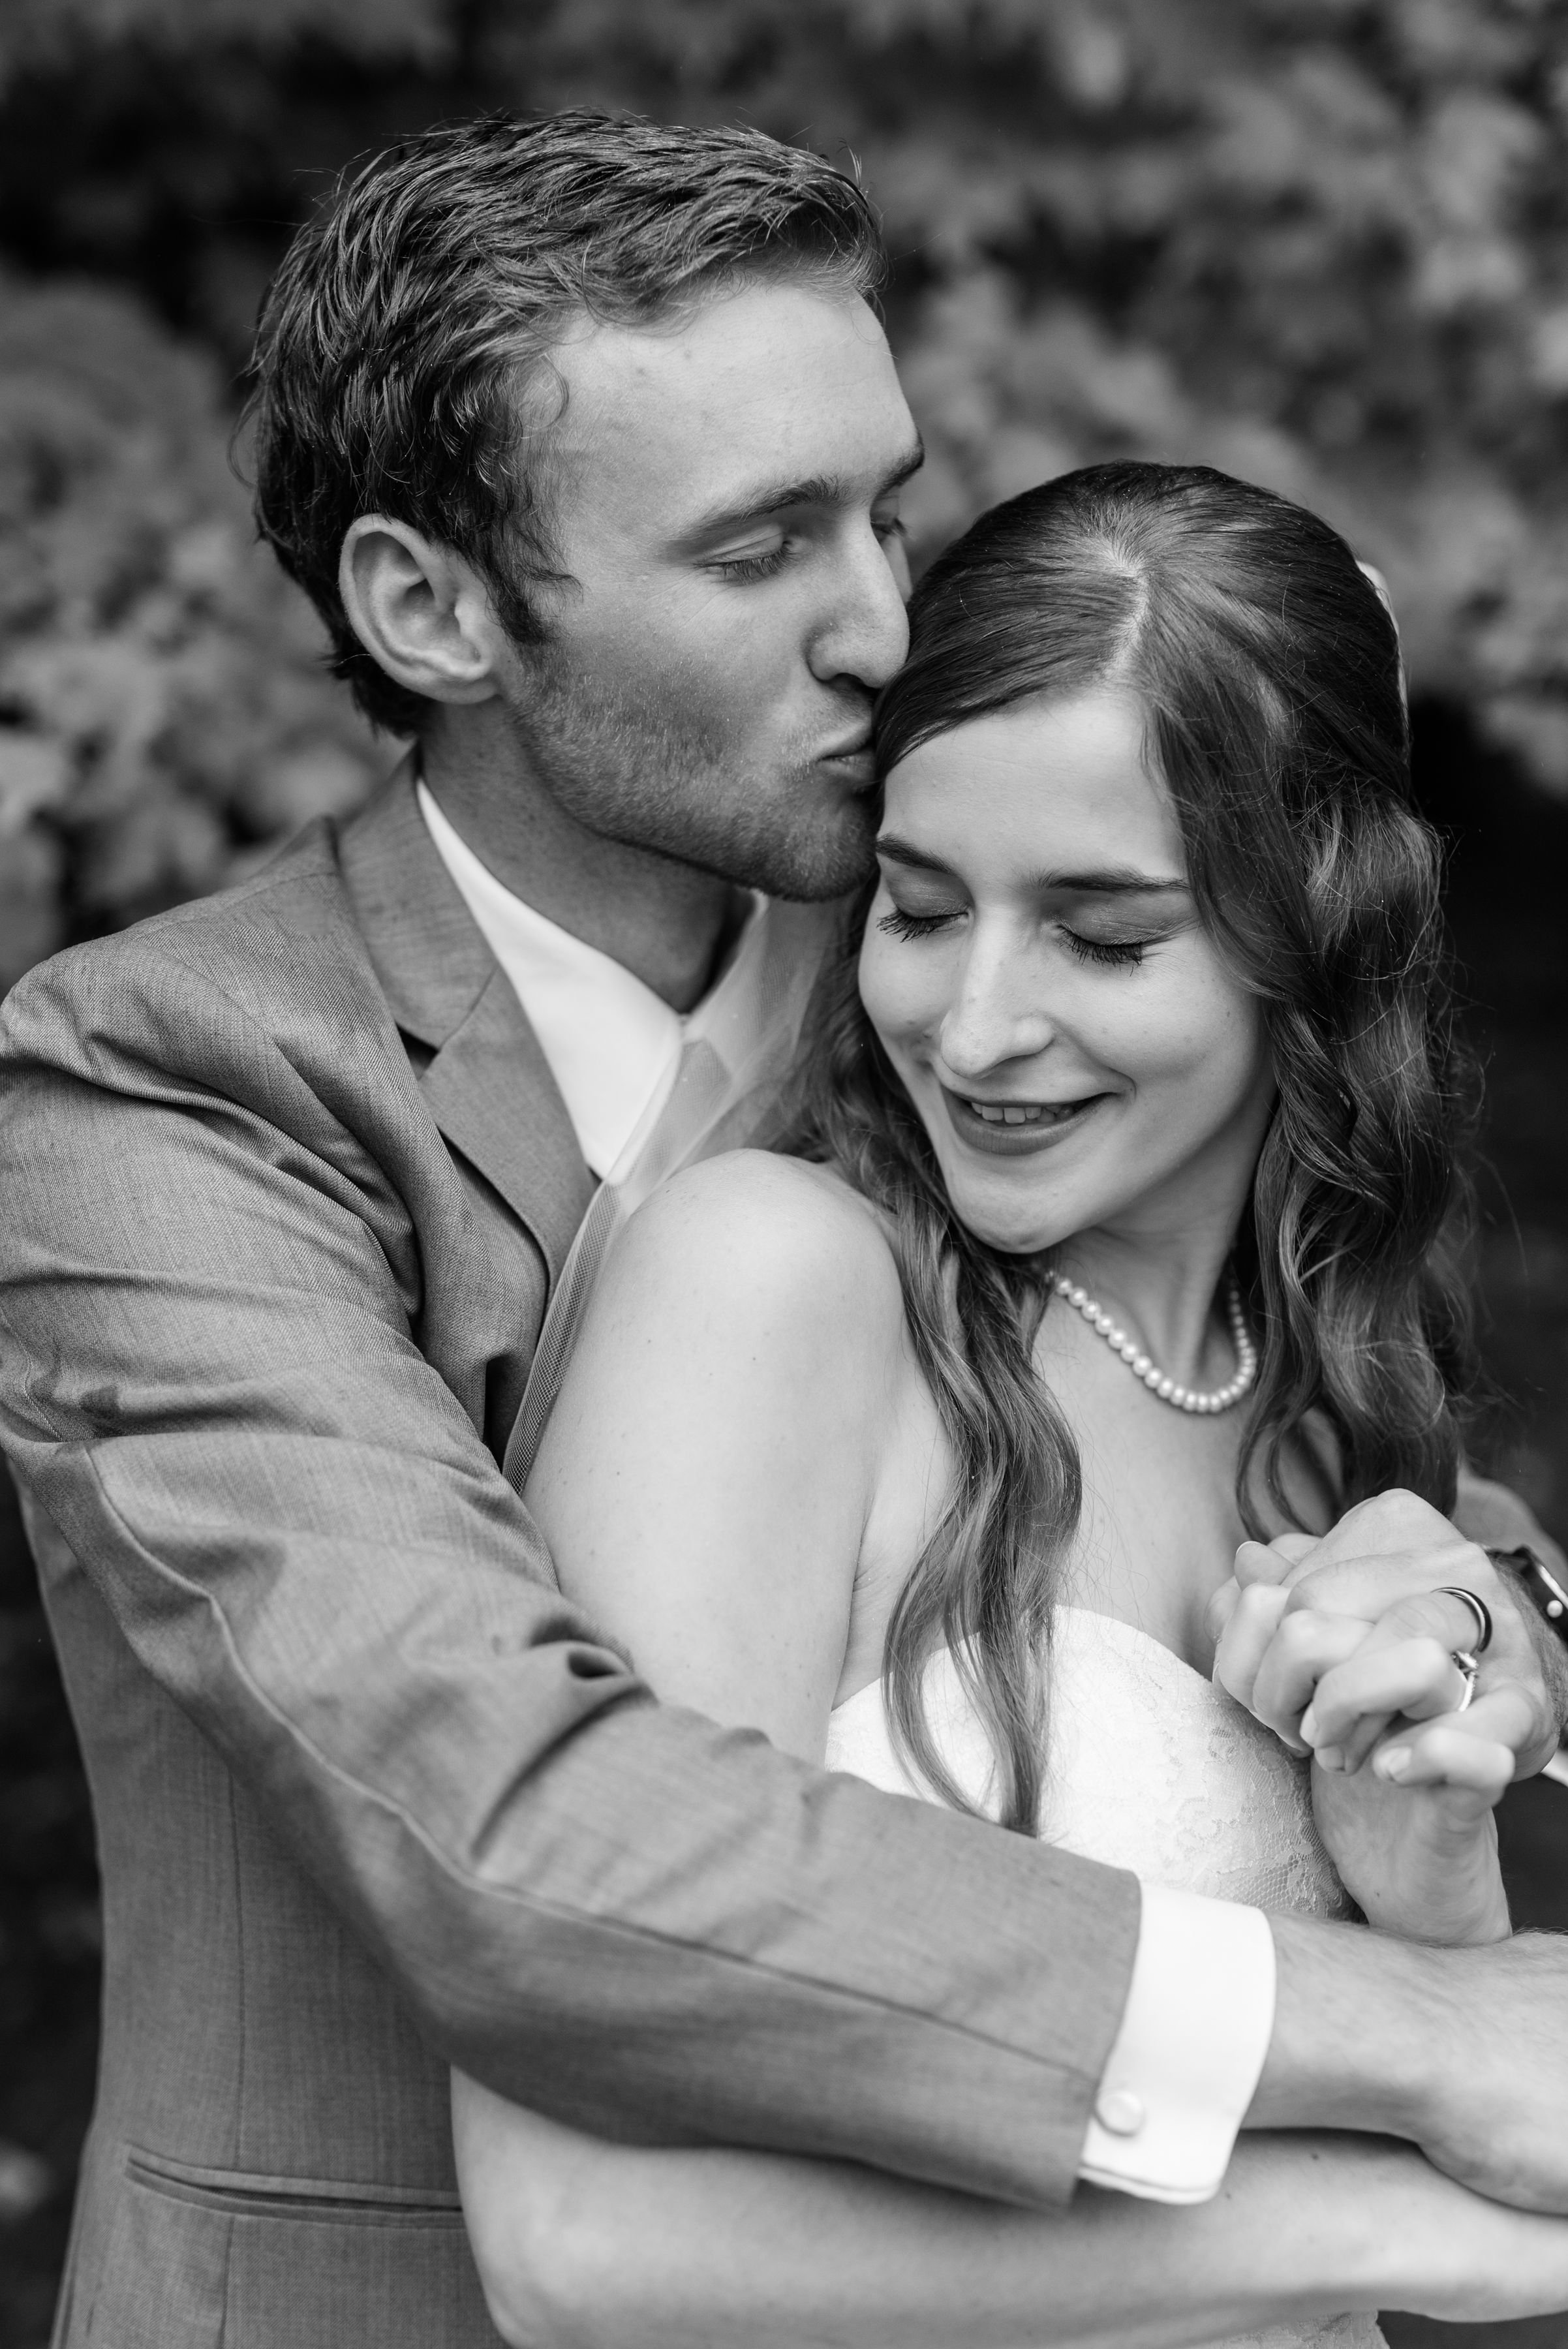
1123	955
899	924
1127	954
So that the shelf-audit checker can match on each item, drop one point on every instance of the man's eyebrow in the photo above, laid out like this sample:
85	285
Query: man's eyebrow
809	490
1105	881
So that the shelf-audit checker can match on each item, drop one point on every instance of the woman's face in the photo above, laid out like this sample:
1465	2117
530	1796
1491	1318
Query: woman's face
1035	968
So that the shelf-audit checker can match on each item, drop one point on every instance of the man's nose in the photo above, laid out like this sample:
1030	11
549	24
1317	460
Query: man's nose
995	1017
866	633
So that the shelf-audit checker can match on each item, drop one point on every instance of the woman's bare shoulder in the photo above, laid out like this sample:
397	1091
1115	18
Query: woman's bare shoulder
766	1242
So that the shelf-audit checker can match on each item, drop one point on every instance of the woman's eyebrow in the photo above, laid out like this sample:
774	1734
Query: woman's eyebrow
904	851
1110	881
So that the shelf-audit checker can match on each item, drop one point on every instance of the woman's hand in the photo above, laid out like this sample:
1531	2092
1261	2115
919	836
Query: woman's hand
1421	1860
1346	1648
1376	1571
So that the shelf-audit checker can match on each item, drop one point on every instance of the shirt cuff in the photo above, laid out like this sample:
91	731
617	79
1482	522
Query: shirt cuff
1186	2062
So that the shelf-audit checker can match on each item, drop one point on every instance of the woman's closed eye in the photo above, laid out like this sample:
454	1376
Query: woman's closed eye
1124	954
899	924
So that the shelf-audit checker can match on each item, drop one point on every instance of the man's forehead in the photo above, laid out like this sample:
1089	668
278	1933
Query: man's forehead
774	381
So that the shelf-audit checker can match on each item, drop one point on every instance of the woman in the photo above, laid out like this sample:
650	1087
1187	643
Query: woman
1118	1226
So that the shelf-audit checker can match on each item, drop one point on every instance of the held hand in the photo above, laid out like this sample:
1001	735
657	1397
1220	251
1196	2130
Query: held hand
1329	1649
1299	1610
1421	1862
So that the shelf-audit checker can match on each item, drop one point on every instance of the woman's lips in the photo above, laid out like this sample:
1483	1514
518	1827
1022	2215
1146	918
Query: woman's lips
1017	1129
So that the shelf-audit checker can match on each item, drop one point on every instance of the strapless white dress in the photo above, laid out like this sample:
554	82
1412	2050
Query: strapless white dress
1150	1767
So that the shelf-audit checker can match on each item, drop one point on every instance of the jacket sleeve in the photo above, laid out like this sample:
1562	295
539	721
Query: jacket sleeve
211	1383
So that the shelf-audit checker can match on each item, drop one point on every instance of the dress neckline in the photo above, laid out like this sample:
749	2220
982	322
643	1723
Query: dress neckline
1118	1623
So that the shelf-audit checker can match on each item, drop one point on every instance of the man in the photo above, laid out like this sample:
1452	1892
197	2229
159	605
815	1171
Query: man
584	441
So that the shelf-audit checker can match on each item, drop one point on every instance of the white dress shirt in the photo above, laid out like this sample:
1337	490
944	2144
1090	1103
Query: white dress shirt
610	1041
1200	2013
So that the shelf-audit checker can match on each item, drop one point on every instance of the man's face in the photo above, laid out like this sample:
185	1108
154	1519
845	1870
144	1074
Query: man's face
724	494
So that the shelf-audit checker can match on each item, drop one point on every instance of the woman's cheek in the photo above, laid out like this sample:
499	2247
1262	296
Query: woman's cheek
891	990
1187	1022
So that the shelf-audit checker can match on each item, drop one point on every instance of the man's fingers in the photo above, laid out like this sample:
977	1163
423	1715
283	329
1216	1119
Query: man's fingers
1389	1524
1444	1752
1259	1561
1279	1561
1504	1714
1355	1700
1302	1651
1254	1621
1369	1585
1428	1615
1220	1609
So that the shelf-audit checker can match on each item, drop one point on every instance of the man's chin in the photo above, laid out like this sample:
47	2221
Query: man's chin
807	862
816	859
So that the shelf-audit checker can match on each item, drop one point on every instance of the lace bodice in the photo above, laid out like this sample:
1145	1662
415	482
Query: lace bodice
1152	1768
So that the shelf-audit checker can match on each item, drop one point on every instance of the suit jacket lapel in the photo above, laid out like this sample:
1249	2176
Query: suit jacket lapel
488	1085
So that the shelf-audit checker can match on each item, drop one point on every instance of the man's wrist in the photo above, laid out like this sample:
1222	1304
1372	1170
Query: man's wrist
1525	1576
1356	2020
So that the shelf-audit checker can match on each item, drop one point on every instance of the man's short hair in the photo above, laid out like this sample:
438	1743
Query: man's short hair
404	337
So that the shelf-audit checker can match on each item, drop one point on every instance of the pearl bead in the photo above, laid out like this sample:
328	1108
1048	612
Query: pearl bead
1147	1371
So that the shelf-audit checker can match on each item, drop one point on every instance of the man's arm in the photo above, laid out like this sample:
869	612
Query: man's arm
1463	2051
212	1385
603	2248
210	1382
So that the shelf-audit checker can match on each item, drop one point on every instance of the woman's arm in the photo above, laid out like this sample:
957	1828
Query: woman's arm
712	1467
582	2245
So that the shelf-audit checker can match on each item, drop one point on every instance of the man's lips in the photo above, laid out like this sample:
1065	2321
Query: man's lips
854	758
1017	1129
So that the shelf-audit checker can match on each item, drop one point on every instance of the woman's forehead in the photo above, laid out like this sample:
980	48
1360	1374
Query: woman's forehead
1036	781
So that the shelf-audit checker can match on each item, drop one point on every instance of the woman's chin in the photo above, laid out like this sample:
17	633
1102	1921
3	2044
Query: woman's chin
1011	1225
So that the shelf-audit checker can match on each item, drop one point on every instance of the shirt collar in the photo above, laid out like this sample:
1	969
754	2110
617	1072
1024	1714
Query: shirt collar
611	1043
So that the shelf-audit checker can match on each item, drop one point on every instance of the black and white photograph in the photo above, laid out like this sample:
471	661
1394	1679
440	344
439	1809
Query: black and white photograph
783	1174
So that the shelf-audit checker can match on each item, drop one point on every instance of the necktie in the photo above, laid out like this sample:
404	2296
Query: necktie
738	1047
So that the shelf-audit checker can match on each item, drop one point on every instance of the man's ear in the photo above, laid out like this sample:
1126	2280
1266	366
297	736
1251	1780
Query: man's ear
420	612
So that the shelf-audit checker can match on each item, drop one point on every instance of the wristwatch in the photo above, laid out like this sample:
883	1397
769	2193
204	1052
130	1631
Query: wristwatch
1540	1586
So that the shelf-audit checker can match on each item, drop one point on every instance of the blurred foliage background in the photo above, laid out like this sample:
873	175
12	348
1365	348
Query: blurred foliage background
1323	244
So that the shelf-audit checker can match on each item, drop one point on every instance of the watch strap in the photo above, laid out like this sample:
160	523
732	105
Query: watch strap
1540	1586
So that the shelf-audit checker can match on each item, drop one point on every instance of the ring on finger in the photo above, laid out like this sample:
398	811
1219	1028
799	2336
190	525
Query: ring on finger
1469	1664
1478	1608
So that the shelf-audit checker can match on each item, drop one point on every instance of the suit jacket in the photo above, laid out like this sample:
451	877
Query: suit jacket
285	1182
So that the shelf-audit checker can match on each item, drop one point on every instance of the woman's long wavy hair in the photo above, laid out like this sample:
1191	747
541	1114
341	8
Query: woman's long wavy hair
1269	671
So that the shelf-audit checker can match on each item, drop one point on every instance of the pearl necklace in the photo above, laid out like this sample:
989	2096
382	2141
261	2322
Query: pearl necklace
1180	1398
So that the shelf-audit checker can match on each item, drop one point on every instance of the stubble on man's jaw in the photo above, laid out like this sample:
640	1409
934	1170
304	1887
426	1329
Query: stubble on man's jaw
632	771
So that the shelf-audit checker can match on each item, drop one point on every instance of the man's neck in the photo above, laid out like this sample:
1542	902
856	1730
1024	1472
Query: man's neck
667	923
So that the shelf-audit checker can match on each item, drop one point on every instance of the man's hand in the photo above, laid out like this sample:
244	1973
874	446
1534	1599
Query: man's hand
1463	2052
1328	1641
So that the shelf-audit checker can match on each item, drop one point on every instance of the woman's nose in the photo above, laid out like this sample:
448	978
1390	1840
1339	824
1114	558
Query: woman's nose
988	1024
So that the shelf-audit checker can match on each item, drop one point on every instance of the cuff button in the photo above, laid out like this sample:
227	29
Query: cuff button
1121	2112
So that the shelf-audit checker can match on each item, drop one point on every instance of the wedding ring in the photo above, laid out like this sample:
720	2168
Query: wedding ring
1478	1608
1469	1665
